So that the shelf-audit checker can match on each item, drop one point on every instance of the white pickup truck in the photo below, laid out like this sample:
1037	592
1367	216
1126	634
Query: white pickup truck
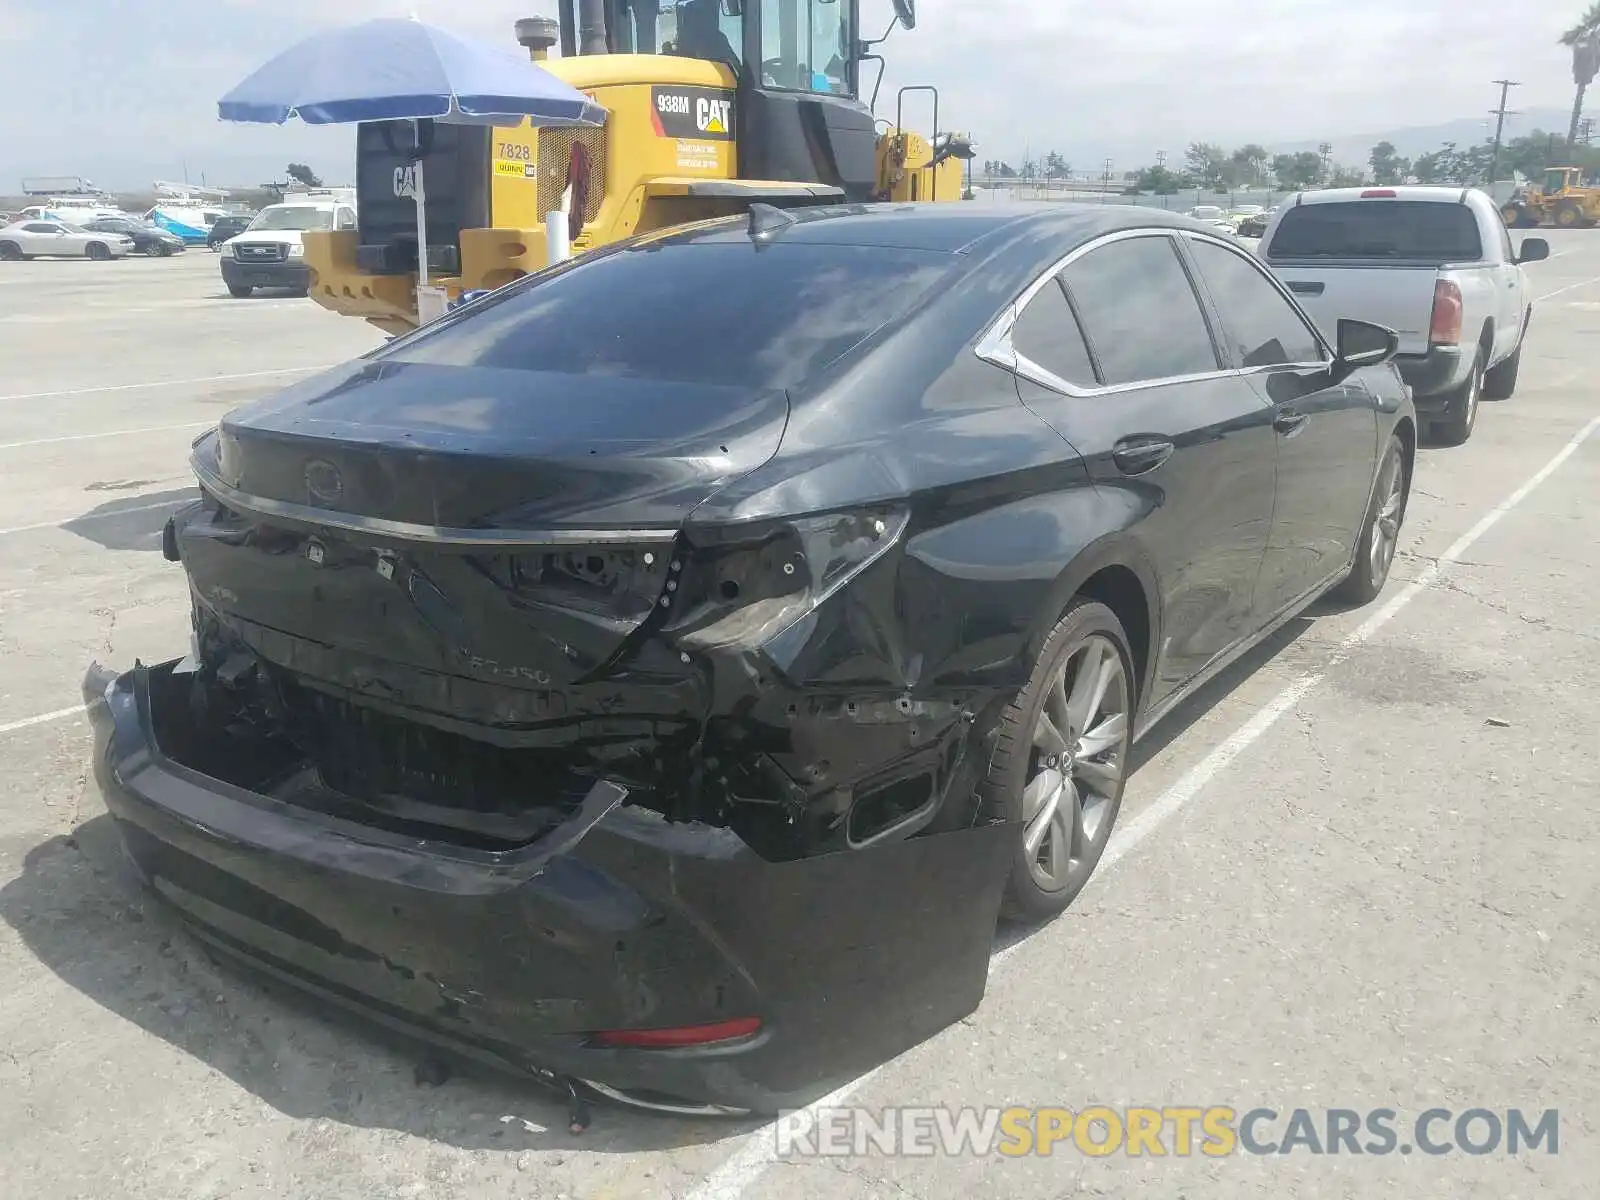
1434	264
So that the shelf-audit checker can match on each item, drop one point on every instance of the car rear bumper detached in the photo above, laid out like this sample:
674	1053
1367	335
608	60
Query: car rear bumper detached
1433	376
266	274
616	920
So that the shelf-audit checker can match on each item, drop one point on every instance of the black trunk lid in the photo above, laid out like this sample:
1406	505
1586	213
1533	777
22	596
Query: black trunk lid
461	540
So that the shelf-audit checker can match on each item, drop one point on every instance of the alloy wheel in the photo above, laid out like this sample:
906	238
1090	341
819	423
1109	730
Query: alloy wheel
1080	747
1386	528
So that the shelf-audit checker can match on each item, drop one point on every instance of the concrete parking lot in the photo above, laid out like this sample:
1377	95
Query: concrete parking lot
1361	872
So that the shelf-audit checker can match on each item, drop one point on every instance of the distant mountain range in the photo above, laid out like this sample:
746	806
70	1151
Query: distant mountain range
1353	149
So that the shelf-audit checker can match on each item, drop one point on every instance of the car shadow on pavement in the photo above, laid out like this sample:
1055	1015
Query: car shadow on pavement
80	909
134	523
261	293
1210	693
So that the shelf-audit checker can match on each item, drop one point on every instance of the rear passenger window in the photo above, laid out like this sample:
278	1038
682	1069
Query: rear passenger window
1047	334
1140	311
1262	326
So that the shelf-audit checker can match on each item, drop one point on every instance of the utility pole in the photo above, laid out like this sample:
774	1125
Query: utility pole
1107	186
1161	158
1586	131
1500	115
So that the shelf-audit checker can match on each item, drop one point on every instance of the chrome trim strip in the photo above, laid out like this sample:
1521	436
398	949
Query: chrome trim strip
995	345
405	531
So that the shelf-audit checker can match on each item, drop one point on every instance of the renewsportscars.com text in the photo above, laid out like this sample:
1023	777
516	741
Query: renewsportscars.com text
1216	1131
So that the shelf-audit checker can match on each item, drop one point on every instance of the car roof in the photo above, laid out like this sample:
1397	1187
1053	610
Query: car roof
1375	193
954	228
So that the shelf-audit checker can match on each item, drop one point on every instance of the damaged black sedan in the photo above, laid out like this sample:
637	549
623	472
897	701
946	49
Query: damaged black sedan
661	672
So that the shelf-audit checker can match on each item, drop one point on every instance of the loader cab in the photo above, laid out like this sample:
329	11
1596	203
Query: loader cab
797	114
1557	179
802	117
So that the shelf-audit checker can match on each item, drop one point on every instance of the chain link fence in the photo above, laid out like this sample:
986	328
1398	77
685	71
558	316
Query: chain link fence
1182	201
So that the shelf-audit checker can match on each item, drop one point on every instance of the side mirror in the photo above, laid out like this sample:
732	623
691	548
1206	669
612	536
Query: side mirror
1362	344
1533	250
906	10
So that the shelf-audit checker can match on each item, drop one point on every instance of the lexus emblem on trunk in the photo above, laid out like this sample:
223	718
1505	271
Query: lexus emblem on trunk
324	484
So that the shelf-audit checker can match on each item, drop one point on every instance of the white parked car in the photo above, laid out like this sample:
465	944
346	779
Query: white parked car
1213	216
1434	264
57	239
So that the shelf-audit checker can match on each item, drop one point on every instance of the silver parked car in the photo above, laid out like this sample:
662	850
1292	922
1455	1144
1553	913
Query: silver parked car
57	239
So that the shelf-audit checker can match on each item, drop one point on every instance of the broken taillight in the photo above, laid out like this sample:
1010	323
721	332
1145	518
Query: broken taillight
749	590
1445	328
685	1035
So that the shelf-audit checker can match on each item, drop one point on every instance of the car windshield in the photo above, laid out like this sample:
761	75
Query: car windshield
1417	231
724	314
293	216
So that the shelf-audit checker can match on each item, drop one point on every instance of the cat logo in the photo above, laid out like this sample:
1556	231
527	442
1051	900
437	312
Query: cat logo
691	112
712	116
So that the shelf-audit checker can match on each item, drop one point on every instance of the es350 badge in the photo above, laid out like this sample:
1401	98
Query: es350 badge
689	112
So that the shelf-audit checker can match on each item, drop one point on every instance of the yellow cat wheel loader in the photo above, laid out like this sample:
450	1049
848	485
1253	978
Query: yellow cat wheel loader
1564	200
712	106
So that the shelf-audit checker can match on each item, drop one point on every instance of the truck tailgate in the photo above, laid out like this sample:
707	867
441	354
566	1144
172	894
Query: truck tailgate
1399	296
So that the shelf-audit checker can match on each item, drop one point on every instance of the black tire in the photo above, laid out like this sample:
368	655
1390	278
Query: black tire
156	250
1569	215
1386	516
97	251
1086	628
1500	380
1461	411
240	291
11	252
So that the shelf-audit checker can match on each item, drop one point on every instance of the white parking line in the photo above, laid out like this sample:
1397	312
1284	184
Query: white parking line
99	516
42	718
89	437
759	1148
159	383
1570	287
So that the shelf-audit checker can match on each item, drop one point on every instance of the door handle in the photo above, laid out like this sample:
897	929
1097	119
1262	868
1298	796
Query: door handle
1137	456
1288	422
1306	288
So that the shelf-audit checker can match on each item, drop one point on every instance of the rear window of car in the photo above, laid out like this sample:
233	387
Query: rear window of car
719	313
1409	230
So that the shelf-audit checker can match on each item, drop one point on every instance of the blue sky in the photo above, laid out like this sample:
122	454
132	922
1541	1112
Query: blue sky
124	91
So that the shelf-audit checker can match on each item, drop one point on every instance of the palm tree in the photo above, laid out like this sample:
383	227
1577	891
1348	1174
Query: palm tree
1584	40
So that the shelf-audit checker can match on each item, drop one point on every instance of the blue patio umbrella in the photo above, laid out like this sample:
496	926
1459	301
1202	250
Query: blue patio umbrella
398	69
